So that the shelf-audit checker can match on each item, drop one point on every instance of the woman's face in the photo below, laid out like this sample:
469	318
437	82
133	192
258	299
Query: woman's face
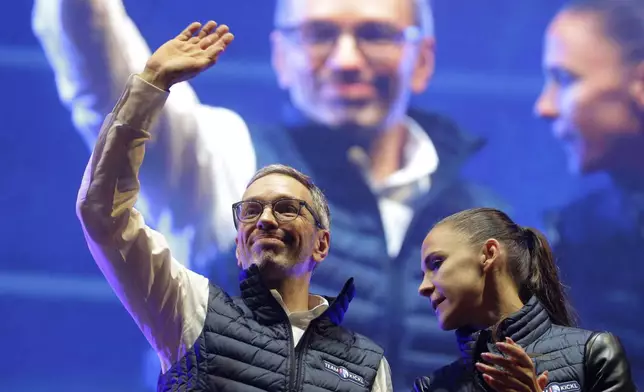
454	277
590	94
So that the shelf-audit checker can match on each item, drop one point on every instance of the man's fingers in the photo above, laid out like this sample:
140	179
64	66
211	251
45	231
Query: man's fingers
207	28
189	31
214	50
216	37
227	39
221	30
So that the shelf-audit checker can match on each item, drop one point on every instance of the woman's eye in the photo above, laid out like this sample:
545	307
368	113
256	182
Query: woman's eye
435	264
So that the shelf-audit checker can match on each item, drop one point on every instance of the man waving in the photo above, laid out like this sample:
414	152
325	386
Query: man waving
275	336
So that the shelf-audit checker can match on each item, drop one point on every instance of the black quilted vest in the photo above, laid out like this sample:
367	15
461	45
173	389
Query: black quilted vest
559	350
247	345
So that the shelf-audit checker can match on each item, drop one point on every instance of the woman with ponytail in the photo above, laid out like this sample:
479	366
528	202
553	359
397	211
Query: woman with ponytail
497	285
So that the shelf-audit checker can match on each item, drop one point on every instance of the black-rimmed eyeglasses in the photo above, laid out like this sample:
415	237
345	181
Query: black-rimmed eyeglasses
284	210
374	39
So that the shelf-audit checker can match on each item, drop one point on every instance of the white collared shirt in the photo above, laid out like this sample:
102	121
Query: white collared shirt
397	192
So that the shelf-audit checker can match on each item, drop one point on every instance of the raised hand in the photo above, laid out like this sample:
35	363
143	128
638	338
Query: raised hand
513	372
193	51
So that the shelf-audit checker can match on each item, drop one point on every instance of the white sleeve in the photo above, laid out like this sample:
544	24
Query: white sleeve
383	381
166	300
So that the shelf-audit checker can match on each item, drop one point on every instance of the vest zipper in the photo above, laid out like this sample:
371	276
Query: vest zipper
299	352
296	358
292	375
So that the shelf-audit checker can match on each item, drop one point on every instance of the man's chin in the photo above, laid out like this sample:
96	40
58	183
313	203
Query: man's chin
271	267
364	121
366	116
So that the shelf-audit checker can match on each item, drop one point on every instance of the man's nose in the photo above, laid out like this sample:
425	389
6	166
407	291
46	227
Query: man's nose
346	54
267	219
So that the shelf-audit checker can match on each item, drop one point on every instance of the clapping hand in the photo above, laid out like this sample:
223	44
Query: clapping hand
193	51
513	371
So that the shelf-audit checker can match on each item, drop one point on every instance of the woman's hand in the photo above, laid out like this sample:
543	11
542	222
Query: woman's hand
513	372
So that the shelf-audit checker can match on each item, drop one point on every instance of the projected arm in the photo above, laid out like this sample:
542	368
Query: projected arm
198	157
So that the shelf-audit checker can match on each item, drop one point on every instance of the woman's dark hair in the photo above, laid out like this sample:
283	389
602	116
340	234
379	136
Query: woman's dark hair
622	21
530	259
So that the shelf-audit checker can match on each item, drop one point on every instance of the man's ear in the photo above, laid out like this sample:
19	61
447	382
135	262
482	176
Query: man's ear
425	65
237	253
322	246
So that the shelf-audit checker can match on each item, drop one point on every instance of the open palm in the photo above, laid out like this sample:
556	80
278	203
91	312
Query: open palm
188	54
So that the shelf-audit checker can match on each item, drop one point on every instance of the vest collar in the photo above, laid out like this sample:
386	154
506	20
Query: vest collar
329	146
259	299
524	327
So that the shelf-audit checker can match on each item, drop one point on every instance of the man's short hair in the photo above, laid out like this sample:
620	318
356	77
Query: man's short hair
320	204
423	16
